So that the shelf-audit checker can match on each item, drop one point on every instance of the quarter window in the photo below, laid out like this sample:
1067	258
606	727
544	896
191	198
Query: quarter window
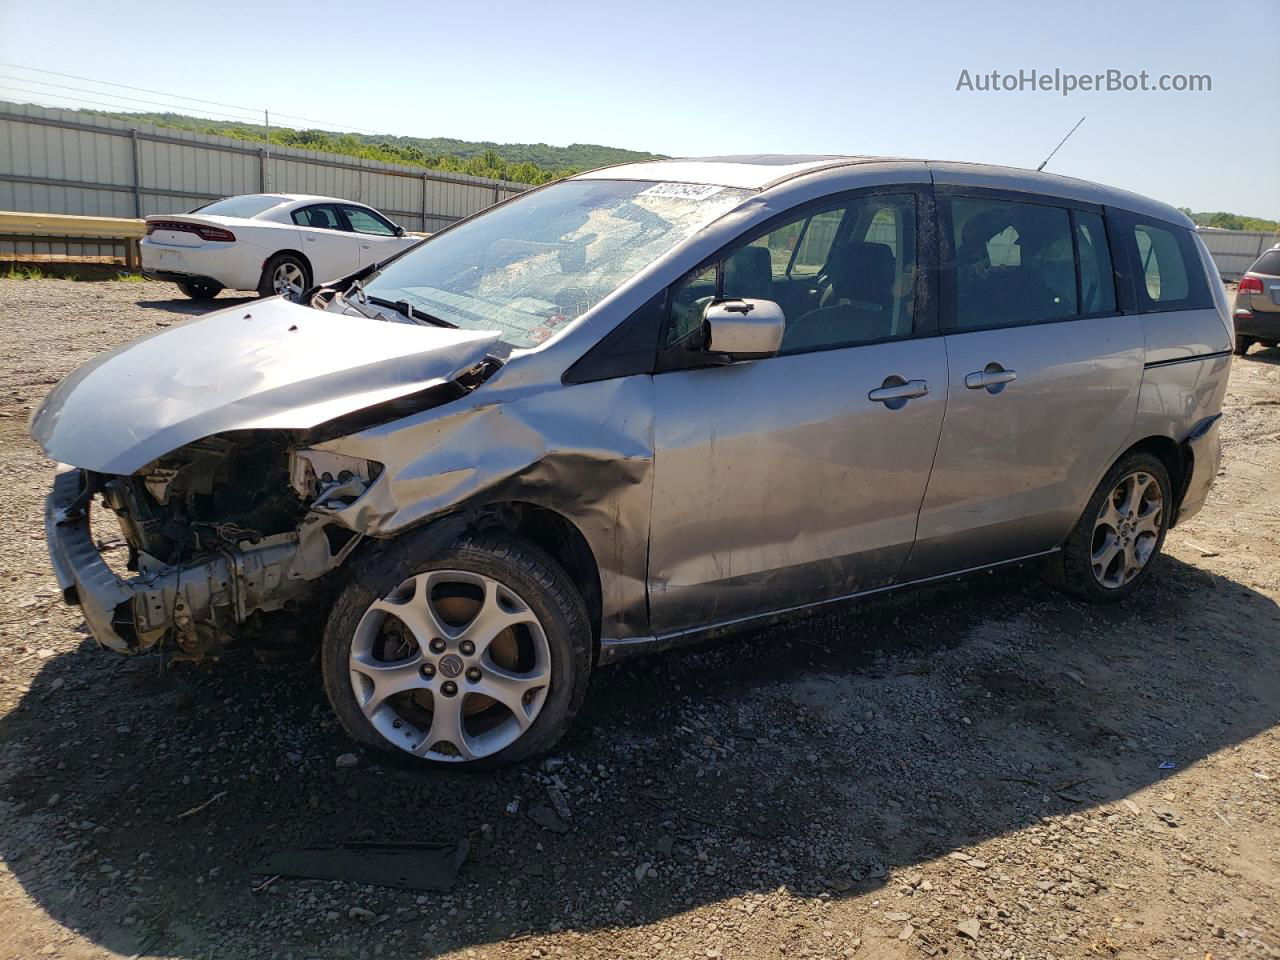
1160	263
1014	263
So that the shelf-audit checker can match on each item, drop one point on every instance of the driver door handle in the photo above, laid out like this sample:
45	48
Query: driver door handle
901	391
989	378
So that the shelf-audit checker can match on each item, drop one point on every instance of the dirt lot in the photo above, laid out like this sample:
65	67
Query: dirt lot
983	769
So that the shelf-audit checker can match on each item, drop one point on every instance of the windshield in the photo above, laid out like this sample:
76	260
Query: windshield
532	265
246	207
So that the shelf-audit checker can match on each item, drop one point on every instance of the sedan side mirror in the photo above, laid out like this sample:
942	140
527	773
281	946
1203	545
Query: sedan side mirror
399	231
743	329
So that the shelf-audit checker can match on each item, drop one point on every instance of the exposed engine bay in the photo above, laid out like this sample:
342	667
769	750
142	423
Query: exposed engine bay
226	532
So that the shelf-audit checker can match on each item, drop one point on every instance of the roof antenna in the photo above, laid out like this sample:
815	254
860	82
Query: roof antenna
1059	146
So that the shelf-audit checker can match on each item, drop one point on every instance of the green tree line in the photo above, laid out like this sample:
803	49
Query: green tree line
519	162
1231	221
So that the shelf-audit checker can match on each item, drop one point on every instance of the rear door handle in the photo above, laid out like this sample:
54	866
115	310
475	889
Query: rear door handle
993	376
895	388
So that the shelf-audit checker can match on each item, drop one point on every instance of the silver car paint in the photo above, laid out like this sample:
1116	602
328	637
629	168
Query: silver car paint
1017	460
272	364
781	479
628	462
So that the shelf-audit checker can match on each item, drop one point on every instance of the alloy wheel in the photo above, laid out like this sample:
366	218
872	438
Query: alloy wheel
288	280
450	666
1127	530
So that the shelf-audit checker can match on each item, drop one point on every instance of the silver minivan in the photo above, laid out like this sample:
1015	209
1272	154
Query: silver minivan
639	407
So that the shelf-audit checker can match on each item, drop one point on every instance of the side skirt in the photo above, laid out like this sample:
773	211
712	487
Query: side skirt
623	648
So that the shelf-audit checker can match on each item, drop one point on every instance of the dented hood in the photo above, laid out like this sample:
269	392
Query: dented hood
270	364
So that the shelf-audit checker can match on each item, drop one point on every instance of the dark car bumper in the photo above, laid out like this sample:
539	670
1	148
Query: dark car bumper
174	277
1259	323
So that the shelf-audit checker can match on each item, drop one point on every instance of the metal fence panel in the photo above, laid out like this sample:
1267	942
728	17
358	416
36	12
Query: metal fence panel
1234	251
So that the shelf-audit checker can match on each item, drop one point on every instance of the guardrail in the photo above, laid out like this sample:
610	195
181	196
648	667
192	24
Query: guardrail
19	226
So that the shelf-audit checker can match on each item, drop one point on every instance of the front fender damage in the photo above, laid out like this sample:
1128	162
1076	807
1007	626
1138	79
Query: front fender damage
236	537
583	452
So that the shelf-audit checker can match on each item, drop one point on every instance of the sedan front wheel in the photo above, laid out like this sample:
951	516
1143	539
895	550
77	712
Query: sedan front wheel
479	656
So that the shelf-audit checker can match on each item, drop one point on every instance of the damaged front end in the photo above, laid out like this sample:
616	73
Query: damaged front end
200	439
227	537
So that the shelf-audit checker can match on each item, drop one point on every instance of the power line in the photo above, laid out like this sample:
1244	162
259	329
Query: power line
118	108
125	86
178	96
117	96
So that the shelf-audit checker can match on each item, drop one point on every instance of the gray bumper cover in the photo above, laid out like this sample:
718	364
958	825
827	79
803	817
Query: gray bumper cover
82	574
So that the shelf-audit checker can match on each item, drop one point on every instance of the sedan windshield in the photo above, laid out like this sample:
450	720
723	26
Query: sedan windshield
532	265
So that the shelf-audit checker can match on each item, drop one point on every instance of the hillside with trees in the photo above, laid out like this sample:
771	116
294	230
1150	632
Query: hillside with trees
521	162
1232	221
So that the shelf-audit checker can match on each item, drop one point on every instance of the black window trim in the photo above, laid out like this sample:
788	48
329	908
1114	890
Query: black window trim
947	313
679	356
594	365
1117	310
1199	295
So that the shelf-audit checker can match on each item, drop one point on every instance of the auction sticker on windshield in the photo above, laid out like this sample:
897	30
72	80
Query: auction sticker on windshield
682	191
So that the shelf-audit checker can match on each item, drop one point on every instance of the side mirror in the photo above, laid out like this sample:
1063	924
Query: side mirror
743	329
399	231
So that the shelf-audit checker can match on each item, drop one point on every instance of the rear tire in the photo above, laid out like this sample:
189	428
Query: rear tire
1242	345
200	291
1110	550
429	706
285	275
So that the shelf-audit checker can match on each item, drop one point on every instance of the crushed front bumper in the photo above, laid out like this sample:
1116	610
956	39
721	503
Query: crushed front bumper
213	593
82	574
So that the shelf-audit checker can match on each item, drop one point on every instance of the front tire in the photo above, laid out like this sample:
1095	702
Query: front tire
475	656
285	275
200	291
1110	550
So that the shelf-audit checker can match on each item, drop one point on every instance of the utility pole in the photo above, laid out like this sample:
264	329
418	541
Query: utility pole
266	178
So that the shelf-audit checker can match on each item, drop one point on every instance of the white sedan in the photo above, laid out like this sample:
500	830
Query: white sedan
274	243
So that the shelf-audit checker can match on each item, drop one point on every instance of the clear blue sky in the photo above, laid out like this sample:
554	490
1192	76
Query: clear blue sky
698	77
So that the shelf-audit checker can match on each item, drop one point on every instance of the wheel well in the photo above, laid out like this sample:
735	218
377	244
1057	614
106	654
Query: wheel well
1176	459
311	275
560	538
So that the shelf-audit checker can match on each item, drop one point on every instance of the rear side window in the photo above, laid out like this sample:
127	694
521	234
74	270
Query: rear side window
1014	263
1268	263
321	216
1160	264
1097	280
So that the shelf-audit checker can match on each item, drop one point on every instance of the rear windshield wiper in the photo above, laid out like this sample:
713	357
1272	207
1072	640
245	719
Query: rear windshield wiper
405	309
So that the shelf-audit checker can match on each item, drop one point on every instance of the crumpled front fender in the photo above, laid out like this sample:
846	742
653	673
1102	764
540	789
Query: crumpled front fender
584	451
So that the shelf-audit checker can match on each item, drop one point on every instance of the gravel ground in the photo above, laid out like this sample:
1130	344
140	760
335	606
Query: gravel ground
982	769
